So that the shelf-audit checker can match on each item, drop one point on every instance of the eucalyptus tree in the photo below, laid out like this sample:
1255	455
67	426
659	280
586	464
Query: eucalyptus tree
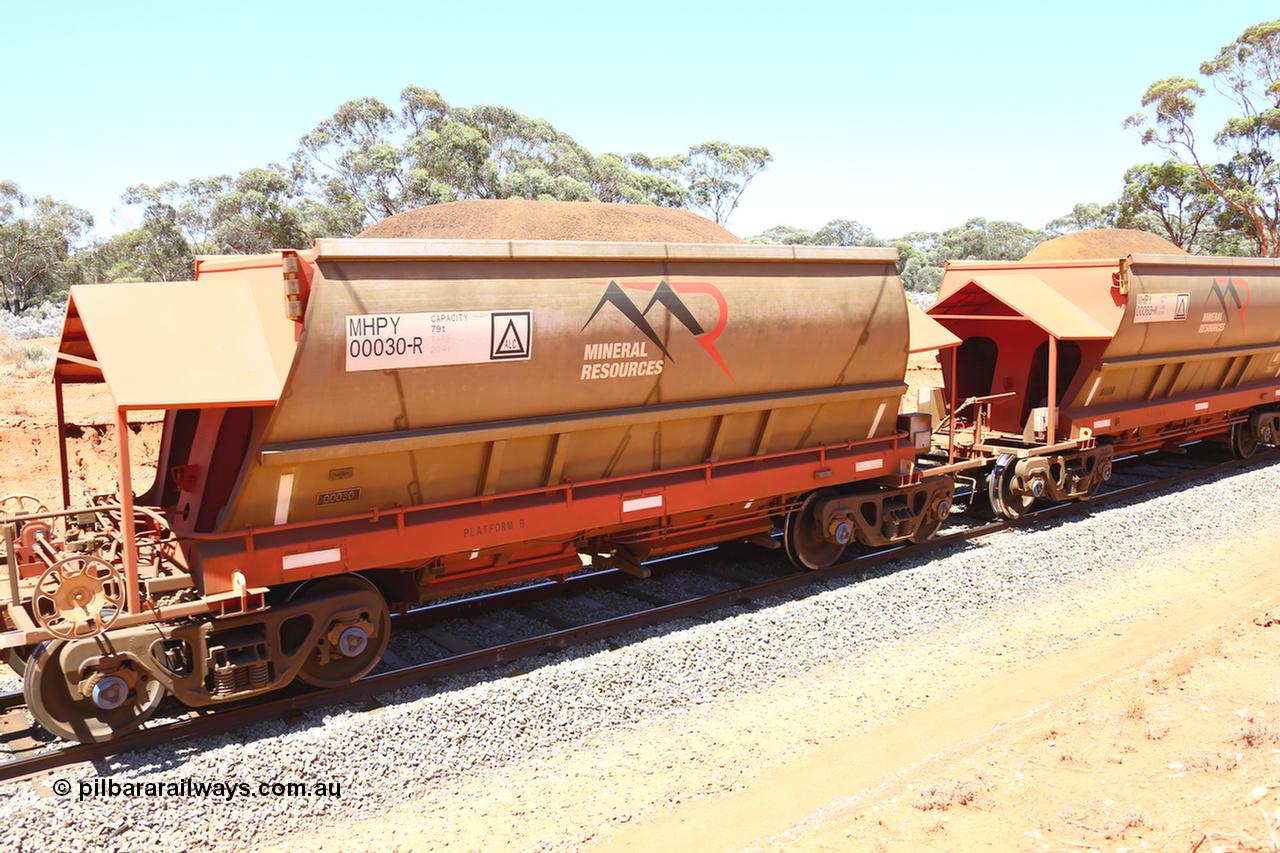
384	162
718	173
1170	199
1245	149
38	235
1085	216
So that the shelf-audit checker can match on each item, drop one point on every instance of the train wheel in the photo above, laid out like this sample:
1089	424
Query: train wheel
1266	432
936	516
17	659
807	546
350	647
100	708
1000	491
1244	443
1100	476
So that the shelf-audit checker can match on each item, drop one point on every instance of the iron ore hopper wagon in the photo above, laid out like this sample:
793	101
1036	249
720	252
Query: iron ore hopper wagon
367	424
1063	365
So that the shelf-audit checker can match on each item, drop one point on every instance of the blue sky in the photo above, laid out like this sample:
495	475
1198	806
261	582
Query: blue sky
905	117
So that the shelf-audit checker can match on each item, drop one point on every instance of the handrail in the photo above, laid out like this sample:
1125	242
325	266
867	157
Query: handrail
376	513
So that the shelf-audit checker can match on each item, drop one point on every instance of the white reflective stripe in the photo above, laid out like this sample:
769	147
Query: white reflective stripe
876	422
283	494
637	504
1102	424
1093	391
1200	407
311	558
475	553
868	465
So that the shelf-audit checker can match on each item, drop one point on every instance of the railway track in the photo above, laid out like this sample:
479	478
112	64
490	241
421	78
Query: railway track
708	589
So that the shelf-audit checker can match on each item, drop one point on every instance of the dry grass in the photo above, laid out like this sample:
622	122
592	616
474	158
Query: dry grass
1116	826
1209	762
937	827
1101	822
958	792
19	360
1255	733
1133	704
1241	841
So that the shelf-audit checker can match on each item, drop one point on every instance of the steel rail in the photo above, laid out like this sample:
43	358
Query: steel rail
210	722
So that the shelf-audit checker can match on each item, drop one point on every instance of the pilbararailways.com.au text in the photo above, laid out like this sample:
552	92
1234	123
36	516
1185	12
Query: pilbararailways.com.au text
228	791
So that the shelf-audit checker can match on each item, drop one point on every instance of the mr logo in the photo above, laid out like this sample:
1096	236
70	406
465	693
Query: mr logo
1231	293
668	297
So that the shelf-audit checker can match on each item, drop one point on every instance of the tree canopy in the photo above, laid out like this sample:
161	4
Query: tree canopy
923	254
364	163
37	238
1240	164
837	232
256	211
370	162
1084	217
1173	200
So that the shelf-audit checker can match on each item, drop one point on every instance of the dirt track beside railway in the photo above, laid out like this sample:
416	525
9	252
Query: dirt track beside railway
1146	713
